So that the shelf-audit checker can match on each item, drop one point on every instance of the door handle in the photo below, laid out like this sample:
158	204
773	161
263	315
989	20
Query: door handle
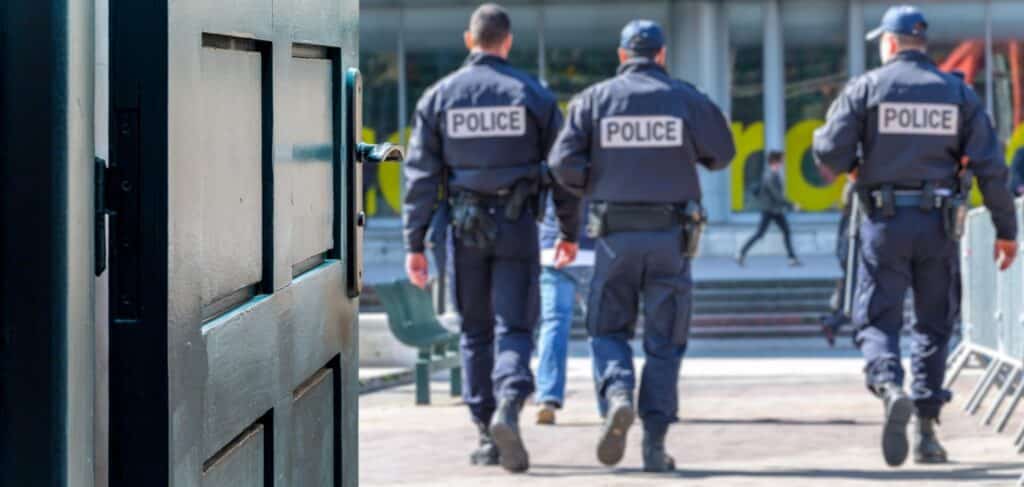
380	152
356	153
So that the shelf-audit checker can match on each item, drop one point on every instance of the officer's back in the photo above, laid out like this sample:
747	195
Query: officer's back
916	128
632	144
482	133
653	129
911	96
492	117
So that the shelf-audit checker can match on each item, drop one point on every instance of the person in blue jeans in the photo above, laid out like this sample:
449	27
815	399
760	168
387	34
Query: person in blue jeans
558	291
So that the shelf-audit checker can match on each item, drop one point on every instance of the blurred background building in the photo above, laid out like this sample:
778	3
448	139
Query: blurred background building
774	67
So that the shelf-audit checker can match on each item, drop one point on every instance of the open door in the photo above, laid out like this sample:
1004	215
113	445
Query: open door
233	256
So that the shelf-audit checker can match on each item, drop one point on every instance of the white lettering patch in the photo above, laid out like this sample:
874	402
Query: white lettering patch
639	132
918	118
481	122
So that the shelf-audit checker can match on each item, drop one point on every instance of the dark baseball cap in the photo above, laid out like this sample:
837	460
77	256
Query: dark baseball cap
901	19
642	36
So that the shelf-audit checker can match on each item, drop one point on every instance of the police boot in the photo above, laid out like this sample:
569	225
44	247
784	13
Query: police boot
927	448
898	408
486	453
505	431
655	458
612	444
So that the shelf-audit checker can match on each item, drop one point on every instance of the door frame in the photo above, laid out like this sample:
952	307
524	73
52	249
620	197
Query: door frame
47	262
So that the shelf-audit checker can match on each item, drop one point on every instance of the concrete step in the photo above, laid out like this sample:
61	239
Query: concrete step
778	293
761	283
757	331
713	320
761	306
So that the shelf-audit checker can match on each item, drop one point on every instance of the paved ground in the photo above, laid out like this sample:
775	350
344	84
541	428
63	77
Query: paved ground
755	413
758	267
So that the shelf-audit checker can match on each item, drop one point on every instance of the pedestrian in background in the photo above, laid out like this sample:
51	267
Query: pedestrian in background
559	289
919	131
631	145
770	197
487	127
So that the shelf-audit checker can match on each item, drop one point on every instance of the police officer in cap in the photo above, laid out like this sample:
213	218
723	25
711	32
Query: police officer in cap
481	133
632	144
920	133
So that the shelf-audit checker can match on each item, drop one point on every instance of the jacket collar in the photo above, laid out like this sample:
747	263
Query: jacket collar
912	56
476	58
640	64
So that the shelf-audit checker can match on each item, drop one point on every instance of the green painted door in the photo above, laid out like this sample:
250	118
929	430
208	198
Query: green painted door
233	257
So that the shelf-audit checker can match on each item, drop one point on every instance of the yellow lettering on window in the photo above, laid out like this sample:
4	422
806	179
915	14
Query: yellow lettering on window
808	196
749	141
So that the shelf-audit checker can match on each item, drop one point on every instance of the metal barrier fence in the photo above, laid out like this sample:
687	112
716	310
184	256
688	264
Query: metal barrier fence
993	326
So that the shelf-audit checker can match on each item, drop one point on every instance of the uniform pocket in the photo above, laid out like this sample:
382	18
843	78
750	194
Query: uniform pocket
684	312
606	313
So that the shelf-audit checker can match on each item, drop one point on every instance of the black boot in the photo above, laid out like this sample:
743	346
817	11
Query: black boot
486	453
898	408
505	431
655	458
612	444
927	448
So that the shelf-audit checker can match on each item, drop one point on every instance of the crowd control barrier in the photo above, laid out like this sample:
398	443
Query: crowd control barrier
993	326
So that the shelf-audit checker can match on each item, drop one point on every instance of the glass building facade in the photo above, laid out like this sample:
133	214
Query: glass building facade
773	65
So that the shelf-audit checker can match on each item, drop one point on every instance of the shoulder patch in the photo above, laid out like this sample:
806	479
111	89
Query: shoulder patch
651	131
484	122
918	118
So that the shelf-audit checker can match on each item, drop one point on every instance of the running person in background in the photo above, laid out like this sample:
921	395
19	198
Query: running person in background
771	198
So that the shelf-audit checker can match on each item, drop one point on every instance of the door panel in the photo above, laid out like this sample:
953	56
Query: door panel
241	463
241	367
311	189
313	424
240	351
228	184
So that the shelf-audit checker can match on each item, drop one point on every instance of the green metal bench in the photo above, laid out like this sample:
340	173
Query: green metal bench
414	323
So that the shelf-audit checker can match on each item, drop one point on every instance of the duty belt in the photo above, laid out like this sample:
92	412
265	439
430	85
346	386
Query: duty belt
907	198
606	217
888	197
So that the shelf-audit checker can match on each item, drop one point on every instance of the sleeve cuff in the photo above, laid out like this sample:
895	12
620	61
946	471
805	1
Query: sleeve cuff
1004	235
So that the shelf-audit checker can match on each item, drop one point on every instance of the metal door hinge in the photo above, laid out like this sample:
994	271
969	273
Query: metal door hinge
102	209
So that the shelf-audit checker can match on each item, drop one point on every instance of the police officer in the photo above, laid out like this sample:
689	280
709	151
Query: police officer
481	133
631	144
915	127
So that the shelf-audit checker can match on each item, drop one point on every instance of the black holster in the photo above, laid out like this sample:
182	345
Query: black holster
883	200
954	211
522	194
544	186
472	221
954	216
695	218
